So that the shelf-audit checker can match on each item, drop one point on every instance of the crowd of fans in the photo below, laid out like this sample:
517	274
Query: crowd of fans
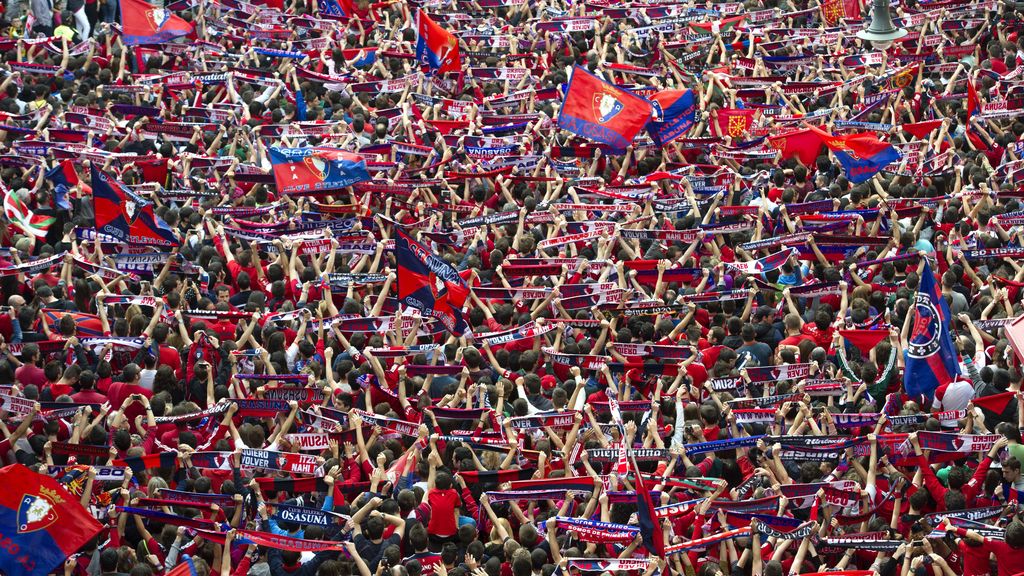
765	412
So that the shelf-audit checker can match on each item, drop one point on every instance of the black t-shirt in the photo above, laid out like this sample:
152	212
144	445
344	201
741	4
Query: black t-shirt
370	552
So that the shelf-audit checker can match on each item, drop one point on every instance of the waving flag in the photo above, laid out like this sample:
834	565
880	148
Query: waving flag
862	155
63	177
678	112
316	169
803	144
143	23
601	112
127	216
335	8
436	48
649	526
734	122
931	360
832	11
42	524
22	218
973	102
429	284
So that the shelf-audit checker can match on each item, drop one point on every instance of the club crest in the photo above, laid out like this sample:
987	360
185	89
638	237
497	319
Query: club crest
606	107
316	165
35	513
131	210
158	17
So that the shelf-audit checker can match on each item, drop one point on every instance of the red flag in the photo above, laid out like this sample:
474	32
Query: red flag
143	23
832	11
804	144
973	102
436	48
864	340
602	112
42	523
734	122
996	402
922	129
650	528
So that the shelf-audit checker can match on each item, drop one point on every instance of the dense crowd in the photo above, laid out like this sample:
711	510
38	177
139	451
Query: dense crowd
749	348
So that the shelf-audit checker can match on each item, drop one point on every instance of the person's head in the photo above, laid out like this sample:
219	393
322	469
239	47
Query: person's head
1011	470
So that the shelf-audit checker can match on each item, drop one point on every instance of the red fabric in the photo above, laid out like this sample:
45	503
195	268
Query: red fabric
864	340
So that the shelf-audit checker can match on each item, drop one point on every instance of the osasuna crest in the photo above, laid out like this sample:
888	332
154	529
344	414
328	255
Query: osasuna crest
318	166
282	462
131	210
606	107
35	513
924	336
158	17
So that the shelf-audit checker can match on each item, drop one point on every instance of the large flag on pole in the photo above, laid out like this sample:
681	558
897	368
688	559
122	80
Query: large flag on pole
429	284
315	169
41	522
931	359
601	112
862	155
125	215
436	48
143	23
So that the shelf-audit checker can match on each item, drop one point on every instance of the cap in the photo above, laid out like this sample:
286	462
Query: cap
764	311
548	382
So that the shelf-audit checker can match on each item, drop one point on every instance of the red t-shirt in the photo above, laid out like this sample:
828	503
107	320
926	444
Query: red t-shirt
442	511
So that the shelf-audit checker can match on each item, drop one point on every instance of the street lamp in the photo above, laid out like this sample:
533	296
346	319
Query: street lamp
881	32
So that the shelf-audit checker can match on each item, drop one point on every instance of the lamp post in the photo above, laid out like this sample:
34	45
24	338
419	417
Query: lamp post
881	32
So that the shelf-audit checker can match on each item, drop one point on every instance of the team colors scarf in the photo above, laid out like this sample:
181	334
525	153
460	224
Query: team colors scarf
258	408
777	373
285	461
726	444
172	519
520	495
704	543
542	420
942	442
969	514
304	516
598	532
269	540
608	564
641	454
769	531
200	497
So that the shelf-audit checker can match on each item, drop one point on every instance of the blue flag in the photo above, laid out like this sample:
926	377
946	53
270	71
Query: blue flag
678	113
931	359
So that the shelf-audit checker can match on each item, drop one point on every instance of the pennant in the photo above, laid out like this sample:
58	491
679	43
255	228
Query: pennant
931	359
143	23
994	403
599	111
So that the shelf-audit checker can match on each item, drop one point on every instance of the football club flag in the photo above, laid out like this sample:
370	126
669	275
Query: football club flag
19	215
143	23
41	522
63	177
429	284
599	111
127	216
316	169
335	8
676	113
650	528
436	48
931	360
803	144
862	155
